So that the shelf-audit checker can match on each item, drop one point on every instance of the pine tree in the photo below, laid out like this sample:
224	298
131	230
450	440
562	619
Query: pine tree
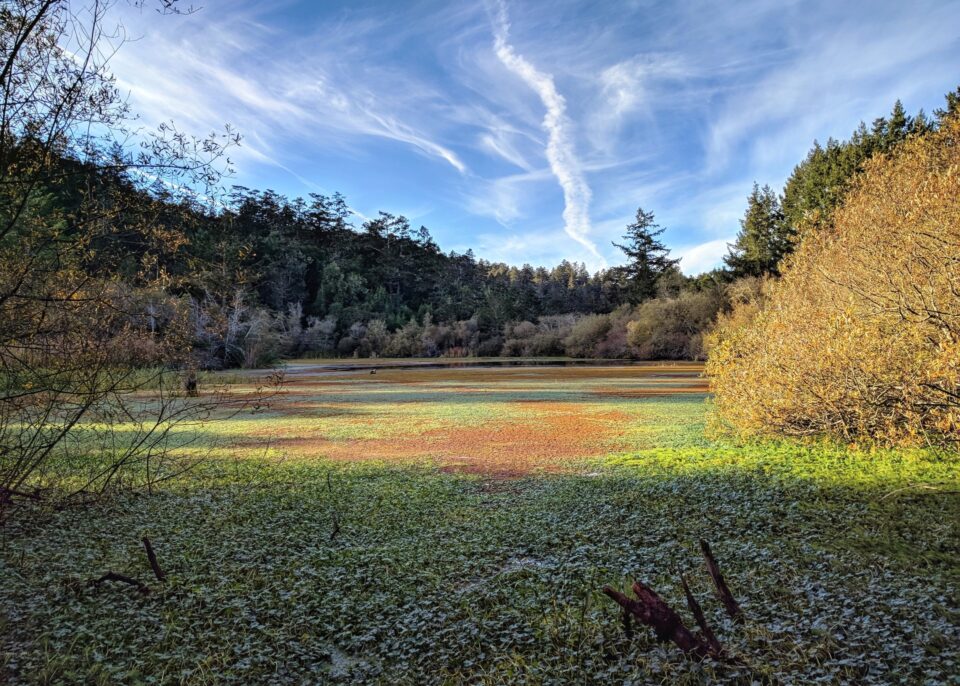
649	258
764	237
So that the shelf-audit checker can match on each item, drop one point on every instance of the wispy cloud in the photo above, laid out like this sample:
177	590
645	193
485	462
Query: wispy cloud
537	145
632	89
296	93
500	142
502	198
560	149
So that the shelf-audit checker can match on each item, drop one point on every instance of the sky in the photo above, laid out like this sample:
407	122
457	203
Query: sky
532	131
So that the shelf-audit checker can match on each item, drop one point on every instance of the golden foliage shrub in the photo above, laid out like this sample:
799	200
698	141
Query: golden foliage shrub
860	338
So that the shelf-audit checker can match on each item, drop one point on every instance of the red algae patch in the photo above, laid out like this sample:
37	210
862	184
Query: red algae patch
546	440
518	432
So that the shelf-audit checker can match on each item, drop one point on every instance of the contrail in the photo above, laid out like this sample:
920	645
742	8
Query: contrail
560	154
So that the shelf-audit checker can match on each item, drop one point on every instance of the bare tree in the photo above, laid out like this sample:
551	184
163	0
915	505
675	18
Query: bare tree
89	382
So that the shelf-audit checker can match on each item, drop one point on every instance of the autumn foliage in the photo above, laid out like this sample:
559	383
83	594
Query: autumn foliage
860	338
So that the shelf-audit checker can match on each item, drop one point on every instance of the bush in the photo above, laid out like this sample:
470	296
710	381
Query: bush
587	334
673	328
546	337
406	342
490	347
861	336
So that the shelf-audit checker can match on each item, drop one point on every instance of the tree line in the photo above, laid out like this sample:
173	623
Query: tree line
256	277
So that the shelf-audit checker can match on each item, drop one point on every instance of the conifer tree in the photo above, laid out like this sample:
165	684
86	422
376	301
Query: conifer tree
764	236
649	259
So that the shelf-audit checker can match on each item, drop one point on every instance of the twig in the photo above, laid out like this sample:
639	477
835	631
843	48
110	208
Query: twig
919	487
726	597
123	578
152	556
701	619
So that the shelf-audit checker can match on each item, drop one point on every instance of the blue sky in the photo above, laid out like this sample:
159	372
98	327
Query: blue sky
532	131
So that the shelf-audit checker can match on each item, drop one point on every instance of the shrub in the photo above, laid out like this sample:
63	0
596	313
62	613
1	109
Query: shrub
406	342
672	328
861	336
587	334
490	347
525	339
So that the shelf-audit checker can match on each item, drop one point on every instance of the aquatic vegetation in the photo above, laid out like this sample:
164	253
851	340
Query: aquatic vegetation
379	565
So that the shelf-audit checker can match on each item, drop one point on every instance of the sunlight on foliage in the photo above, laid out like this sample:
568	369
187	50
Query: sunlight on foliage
861	336
846	563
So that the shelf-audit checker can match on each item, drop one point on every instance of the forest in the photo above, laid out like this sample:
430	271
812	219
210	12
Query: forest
258	277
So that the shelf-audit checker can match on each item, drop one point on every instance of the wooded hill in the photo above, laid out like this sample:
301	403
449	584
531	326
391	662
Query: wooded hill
255	276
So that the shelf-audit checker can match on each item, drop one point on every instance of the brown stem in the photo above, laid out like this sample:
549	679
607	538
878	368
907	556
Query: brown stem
726	597
651	610
701	619
152	556
123	578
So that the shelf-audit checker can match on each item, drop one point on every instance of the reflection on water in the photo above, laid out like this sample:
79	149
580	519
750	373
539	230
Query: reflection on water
480	363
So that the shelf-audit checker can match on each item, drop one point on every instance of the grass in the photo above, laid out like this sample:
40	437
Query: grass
480	560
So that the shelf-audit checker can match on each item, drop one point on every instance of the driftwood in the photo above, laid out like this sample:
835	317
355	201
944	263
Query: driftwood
152	556
723	592
651	610
123	578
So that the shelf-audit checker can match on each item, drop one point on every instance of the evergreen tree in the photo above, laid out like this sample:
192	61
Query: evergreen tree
819	183
648	258
764	238
952	106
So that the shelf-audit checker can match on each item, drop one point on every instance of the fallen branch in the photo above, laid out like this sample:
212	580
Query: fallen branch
651	610
9	493
123	578
152	556
723	592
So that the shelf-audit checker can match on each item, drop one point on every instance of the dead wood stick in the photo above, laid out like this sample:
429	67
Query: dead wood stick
723	591
152	556
701	619
627	623
123	578
8	493
651	610
336	515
